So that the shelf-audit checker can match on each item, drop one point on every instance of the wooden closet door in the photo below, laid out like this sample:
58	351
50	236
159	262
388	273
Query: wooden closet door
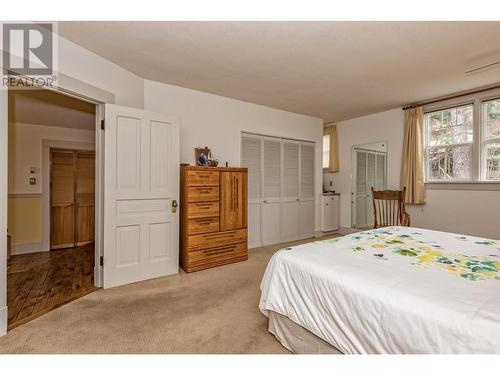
85	197
62	197
233	201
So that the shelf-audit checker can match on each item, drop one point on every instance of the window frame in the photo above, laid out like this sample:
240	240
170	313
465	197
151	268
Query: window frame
428	147
478	150
484	141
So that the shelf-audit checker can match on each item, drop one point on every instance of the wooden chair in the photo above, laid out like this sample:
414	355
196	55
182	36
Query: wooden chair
389	208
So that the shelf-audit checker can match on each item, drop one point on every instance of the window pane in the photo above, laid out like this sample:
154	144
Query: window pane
450	163
450	126
326	151
492	118
493	161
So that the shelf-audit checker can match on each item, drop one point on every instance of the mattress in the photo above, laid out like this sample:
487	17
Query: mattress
391	290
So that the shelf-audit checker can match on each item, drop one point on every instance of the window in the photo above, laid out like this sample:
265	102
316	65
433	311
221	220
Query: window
326	151
491	142
463	142
449	144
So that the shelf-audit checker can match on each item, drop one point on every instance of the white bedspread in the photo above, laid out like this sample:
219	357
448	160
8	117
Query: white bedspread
391	290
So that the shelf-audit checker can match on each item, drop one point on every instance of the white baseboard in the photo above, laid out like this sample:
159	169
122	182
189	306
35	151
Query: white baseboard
27	248
98	271
3	320
320	233
346	230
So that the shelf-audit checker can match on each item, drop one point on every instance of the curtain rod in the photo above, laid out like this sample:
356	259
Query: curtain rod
452	96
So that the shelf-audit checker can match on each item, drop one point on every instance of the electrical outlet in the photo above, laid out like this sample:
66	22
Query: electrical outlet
32	181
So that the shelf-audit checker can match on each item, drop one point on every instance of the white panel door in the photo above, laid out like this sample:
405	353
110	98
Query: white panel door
272	168
306	190
370	182
141	182
360	189
254	225
251	158
271	190
306	217
289	221
290	195
271	223
380	183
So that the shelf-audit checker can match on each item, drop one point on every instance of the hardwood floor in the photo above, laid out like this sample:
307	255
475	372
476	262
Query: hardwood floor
40	282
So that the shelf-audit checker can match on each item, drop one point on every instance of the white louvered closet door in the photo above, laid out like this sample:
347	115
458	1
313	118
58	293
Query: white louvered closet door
360	189
251	158
380	182
271	192
290	202
370	182
306	190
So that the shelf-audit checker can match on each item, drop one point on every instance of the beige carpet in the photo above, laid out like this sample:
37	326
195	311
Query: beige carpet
211	311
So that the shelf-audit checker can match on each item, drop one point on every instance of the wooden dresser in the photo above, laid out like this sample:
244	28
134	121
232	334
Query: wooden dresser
213	226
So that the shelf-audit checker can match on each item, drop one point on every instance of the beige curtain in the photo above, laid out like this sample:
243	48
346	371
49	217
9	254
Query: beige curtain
331	130
412	165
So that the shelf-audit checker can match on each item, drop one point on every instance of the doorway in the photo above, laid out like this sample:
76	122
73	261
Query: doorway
52	202
369	169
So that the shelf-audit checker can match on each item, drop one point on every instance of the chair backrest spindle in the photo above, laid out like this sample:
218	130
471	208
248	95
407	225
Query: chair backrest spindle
389	208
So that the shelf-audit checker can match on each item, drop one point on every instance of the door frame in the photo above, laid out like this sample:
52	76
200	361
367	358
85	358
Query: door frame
99	178
354	168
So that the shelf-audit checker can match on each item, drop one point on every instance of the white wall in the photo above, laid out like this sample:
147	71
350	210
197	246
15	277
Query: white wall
89	68
458	211
217	122
384	126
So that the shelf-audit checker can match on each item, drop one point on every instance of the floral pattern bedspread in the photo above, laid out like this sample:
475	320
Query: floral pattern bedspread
472	258
391	290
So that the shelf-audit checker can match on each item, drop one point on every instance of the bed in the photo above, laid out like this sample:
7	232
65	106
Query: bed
387	290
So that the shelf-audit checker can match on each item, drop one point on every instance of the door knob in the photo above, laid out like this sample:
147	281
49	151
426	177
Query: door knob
174	206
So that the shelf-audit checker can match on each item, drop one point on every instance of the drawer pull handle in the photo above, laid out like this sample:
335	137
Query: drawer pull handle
209	220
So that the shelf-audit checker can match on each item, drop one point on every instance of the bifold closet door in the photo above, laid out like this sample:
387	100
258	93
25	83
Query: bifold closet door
380	180
360	189
271	203
290	202
370	172
85	197
370	182
251	158
306	196
62	199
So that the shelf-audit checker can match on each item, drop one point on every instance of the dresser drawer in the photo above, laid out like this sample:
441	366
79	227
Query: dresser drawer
202	209
202	241
203	193
216	256
203	225
202	178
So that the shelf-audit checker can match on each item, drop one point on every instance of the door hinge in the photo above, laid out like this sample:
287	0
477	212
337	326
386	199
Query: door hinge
101	261
102	124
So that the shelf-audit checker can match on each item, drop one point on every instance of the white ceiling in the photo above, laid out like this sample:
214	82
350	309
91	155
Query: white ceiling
44	107
331	70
